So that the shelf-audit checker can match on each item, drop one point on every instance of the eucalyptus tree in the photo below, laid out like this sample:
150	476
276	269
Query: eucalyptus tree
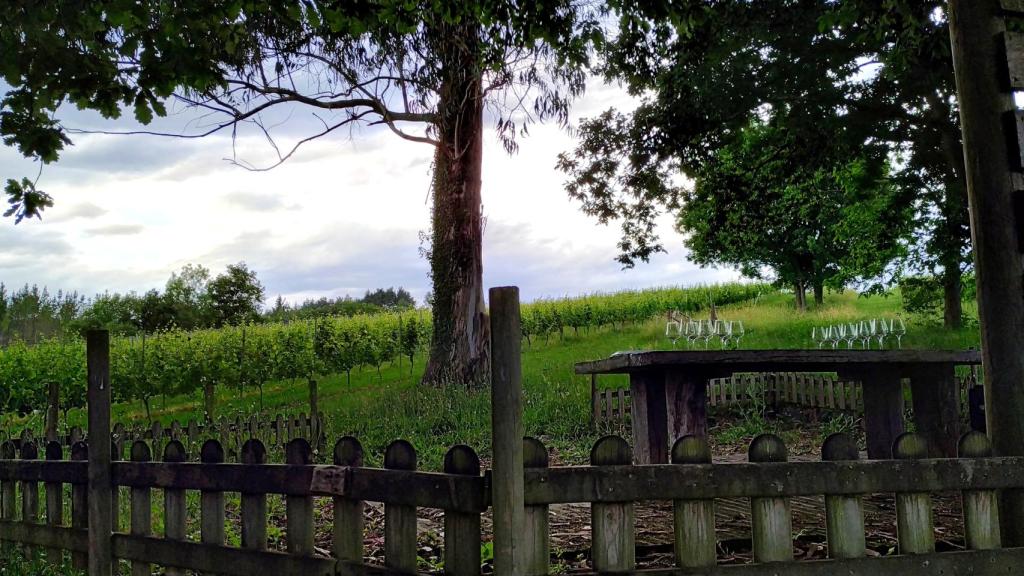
425	70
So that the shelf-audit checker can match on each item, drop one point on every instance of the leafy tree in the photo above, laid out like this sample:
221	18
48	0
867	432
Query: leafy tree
236	296
424	70
797	203
706	68
390	298
186	293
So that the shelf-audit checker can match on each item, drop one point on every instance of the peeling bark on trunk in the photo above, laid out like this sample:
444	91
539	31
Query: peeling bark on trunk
461	336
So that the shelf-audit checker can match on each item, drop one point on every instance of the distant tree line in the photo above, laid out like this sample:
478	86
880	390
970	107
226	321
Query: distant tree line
192	299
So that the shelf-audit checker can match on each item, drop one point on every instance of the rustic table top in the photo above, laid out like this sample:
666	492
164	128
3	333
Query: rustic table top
814	360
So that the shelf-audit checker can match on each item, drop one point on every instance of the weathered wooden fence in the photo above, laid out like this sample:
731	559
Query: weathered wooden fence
520	489
611	407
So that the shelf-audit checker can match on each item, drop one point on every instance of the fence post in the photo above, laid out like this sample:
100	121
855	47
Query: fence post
99	499
314	409
461	529
7	491
254	506
29	492
400	521
299	509
507	429
771	522
844	515
211	503
54	501
52	411
174	502
79	505
914	527
981	507
694	520
536	542
142	506
348	514
614	538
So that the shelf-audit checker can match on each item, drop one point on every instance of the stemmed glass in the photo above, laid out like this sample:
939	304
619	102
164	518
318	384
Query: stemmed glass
738	332
865	334
883	333
898	329
673	330
725	332
710	331
693	332
840	333
852	334
818	335
833	336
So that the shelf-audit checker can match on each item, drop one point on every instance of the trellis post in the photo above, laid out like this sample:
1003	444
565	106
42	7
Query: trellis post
99	498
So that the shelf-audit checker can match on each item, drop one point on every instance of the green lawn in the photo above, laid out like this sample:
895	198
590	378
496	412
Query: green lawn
378	409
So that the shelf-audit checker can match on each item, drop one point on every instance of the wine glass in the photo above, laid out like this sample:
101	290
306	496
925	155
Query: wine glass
738	332
833	336
710	331
852	334
865	335
840	333
883	333
693	332
725	332
818	335
673	330
899	329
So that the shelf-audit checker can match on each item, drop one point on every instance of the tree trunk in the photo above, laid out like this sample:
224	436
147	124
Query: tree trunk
460	346
819	293
951	288
954	227
801	295
209	400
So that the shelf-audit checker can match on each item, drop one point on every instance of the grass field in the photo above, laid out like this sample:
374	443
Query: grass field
379	408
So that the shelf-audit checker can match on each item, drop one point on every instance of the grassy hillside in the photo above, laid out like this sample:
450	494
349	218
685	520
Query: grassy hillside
378	409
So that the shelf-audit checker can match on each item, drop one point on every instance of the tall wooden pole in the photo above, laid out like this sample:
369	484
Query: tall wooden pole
100	513
507	430
975	27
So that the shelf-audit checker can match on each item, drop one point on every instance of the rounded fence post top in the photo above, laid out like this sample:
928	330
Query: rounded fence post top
461	459
974	444
910	446
839	446
691	449
348	451
29	451
211	452
140	451
174	451
400	455
298	452
611	450
80	450
535	454
767	448
254	452
7	450
54	450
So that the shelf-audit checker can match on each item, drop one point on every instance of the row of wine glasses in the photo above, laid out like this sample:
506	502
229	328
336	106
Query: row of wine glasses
728	333
864	332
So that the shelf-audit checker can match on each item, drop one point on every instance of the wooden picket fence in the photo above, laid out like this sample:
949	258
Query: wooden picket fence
611	407
518	490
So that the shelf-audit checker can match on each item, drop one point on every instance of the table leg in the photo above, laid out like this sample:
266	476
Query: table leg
936	399
649	417
686	401
883	410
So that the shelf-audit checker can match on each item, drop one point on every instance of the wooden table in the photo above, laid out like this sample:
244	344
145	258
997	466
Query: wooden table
669	389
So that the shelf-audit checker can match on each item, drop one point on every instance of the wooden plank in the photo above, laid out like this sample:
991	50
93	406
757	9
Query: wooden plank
981	507
774	360
686	404
883	411
844	515
506	430
693	520
614	538
914	525
570	484
208	559
936	401
537	527
400	521
348	512
1012	7
1013	44
54	501
43	471
461	530
55	537
650	417
80	505
141	507
29	491
254	504
174	504
99	499
595	402
770	518
299	508
211	503
8	489
1013	127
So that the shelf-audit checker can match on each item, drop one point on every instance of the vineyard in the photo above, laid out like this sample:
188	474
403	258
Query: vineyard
248	357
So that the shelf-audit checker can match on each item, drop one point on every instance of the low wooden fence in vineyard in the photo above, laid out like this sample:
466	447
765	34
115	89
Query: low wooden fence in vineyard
611	407
518	490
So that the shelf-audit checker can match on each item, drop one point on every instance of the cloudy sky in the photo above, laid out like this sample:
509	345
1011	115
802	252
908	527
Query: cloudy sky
342	216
